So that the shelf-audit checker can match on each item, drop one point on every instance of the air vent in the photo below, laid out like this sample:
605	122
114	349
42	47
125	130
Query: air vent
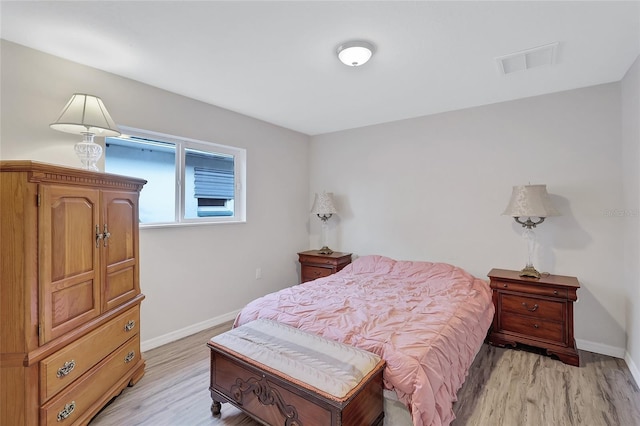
530	58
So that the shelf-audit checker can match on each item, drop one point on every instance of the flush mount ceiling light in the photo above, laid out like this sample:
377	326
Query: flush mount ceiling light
355	53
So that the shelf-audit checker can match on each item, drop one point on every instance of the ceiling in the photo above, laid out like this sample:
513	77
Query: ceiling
276	60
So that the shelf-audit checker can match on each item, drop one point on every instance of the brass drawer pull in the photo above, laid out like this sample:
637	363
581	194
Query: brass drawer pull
130	356
66	369
535	307
129	325
68	409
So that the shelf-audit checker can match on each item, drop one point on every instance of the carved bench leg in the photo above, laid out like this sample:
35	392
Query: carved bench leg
215	408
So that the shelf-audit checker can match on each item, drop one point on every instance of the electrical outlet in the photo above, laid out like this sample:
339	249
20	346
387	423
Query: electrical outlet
258	273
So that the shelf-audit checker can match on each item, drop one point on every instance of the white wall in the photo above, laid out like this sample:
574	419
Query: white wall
631	217
192	276
433	188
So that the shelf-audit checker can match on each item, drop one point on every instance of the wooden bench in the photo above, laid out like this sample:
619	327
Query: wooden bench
280	375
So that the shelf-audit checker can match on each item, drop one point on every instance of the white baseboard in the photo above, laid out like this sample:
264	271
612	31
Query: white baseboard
613	351
187	331
600	348
633	368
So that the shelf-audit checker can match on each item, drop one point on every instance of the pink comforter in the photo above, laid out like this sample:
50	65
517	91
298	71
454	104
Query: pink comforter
427	320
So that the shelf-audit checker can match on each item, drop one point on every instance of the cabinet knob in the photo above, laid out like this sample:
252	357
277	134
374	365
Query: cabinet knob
555	292
536	326
505	285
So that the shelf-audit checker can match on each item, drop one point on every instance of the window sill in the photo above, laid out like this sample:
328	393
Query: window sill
144	226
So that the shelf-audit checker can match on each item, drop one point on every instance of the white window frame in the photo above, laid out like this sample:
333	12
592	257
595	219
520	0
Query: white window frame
181	144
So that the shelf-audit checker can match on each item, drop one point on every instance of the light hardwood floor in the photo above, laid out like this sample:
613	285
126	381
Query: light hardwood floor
505	387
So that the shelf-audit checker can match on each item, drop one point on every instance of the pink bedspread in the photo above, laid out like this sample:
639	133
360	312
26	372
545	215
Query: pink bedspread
427	320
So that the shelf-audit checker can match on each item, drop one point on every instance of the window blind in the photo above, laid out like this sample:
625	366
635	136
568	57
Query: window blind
213	183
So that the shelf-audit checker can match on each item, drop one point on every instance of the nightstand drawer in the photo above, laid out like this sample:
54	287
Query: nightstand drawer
530	289
536	327
303	258
310	273
533	307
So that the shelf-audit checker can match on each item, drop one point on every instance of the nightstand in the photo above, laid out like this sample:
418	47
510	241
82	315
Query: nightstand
535	312
314	265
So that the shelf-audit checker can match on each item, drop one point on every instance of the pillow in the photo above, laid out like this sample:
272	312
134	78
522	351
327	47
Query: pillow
371	264
408	268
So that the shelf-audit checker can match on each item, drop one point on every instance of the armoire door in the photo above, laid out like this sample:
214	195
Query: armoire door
69	258
120	247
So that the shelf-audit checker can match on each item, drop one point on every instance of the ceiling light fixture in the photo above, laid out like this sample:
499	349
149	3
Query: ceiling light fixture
355	53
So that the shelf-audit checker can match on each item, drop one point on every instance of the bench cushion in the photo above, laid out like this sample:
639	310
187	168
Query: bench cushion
330	368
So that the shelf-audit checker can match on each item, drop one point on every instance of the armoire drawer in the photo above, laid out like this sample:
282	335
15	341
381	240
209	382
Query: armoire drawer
70	406
62	368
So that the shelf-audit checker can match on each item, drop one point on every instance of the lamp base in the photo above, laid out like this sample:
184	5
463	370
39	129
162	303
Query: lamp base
89	152
325	250
529	271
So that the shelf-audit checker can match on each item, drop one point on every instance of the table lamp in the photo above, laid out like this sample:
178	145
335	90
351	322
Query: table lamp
86	115
530	201
324	208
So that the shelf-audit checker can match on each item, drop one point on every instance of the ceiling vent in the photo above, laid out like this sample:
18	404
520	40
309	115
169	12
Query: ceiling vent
530	58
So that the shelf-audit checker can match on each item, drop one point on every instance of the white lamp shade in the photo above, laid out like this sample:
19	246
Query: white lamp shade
355	53
530	201
86	114
323	204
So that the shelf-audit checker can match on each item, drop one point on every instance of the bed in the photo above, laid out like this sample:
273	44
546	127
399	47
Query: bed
426	320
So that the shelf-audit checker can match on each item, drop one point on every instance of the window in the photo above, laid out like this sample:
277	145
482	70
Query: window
189	181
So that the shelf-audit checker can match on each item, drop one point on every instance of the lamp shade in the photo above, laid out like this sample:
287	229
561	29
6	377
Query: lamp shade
323	204
86	114
530	201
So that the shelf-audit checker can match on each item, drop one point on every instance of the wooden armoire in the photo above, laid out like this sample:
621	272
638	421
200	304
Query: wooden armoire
69	292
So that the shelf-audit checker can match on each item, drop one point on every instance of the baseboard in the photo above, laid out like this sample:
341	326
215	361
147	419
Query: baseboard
600	348
613	351
633	368
187	331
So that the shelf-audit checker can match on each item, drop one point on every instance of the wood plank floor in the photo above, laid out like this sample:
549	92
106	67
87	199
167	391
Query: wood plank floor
505	387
